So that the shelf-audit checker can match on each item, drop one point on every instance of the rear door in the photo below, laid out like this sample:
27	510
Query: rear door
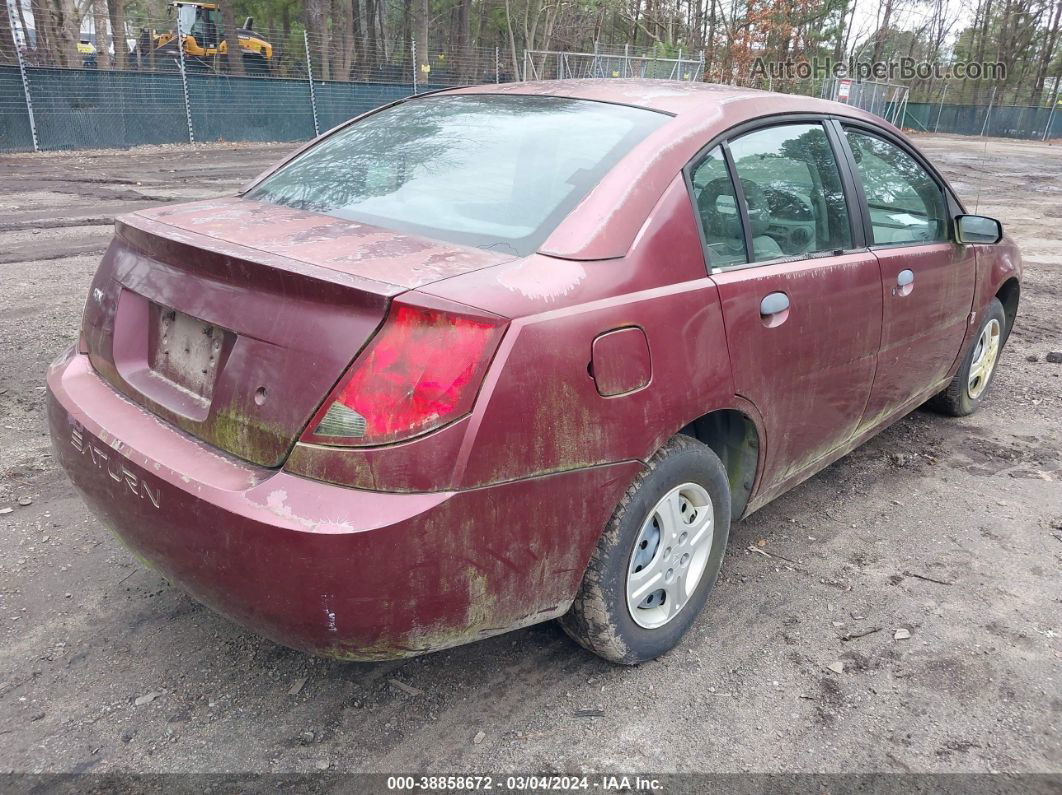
927	280
801	294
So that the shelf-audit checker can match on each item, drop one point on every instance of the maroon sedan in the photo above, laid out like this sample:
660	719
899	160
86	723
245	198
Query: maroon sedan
503	354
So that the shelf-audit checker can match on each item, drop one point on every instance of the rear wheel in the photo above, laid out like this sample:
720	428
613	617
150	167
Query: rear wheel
658	559
968	387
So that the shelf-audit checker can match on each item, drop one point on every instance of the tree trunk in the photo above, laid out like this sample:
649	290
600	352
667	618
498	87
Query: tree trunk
983	32
882	33
102	40
1051	37
317	31
372	43
838	42
357	34
116	14
382	53
233	56
66	32
342	44
709	41
512	40
466	69
421	17
42	46
7	39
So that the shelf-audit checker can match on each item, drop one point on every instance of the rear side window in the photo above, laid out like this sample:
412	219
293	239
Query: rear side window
906	204
482	170
793	191
717	210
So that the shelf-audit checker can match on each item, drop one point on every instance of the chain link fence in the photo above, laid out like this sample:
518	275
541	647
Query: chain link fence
960	108
614	62
288	84
987	109
281	84
886	100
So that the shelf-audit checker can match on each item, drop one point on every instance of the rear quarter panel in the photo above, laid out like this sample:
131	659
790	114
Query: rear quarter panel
540	410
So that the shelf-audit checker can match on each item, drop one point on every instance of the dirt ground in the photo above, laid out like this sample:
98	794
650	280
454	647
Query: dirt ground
948	529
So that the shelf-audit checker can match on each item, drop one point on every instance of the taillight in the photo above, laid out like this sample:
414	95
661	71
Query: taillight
421	371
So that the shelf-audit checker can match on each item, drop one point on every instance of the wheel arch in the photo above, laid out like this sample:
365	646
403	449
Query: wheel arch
1008	294
734	436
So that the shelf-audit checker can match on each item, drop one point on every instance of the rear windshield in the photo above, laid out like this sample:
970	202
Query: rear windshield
482	170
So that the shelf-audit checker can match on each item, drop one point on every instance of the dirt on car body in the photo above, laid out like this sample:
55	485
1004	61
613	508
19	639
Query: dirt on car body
897	612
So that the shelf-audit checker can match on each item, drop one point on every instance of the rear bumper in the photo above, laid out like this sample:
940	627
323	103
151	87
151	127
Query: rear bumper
335	571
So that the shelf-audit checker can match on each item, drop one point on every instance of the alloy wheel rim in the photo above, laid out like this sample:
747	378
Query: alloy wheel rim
670	555
984	359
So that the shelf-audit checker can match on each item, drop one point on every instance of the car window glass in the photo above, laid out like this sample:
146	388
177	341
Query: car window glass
713	192
793	191
906	204
492	171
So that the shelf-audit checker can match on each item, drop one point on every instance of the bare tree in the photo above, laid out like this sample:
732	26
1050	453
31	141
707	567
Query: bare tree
116	13
99	28
421	18
1047	53
342	39
233	54
316	20
7	39
881	34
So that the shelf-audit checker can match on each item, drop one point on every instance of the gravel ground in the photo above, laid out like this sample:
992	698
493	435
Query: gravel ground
947	530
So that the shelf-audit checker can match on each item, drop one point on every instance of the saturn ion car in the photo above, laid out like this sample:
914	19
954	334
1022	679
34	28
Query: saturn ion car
499	355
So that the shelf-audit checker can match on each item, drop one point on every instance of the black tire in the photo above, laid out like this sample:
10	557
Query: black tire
956	401
599	619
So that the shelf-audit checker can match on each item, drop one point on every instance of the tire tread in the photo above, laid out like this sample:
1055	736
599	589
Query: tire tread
588	622
954	400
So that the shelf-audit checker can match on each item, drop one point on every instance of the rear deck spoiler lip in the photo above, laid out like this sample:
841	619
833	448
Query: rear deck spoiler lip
135	230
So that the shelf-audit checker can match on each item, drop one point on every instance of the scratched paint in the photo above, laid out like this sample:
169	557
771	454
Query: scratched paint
545	279
342	245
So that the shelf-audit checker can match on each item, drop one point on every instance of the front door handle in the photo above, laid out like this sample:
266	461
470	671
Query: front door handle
904	282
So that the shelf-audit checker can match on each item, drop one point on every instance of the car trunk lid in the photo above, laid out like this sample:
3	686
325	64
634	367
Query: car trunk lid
233	319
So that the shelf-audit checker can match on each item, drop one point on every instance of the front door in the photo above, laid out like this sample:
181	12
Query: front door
801	304
927	280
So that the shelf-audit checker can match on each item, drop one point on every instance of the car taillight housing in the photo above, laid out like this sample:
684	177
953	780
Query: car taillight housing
420	371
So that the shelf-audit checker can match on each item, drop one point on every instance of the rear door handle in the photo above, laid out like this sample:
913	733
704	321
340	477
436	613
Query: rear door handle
904	282
773	304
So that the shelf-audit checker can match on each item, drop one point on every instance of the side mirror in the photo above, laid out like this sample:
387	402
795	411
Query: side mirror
977	229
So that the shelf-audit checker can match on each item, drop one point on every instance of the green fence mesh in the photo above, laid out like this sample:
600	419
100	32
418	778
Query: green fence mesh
249	109
15	135
1007	121
90	109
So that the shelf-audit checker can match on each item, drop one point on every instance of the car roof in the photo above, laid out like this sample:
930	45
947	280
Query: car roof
675	97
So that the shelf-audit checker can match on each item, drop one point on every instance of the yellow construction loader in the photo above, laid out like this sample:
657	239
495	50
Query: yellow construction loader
204	38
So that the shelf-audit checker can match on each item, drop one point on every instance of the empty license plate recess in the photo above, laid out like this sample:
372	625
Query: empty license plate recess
187	351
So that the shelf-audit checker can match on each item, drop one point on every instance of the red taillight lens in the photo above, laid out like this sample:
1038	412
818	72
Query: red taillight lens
421	371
